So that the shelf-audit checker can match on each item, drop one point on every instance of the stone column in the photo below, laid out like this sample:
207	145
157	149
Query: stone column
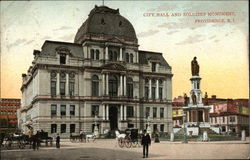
120	59
103	112
203	115
107	112
107	84
187	116
125	85
121	85
157	89
150	90
121	111
125	112
58	84
67	85
103	84
137	57
106	53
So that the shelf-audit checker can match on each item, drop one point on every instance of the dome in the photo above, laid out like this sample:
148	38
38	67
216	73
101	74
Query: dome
106	24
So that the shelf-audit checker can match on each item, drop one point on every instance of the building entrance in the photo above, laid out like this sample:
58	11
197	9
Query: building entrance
113	112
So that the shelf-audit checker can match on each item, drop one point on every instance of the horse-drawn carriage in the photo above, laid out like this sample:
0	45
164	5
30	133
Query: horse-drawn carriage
82	137
10	141
129	138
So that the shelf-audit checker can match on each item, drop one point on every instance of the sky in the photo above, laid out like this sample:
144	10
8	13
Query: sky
221	48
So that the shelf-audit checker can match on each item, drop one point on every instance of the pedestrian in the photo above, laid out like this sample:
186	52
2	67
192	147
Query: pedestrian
145	141
58	141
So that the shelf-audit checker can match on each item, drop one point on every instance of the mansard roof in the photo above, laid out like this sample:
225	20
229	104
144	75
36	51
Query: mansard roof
50	48
146	56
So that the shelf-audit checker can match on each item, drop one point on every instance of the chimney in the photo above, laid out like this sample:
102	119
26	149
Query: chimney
213	96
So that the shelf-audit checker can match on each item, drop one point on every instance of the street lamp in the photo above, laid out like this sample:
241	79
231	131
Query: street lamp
185	129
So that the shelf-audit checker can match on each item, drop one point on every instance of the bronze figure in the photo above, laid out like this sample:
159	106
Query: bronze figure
195	67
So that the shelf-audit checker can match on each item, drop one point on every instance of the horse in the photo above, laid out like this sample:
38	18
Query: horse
90	136
118	135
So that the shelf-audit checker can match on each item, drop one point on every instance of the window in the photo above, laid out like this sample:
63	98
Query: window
63	110
232	119
62	88
63	128
130	111
53	88
130	125
161	112
162	127
154	112
97	54
160	93
127	57
155	128
92	54
153	92
146	92
131	58
53	110
72	128
153	66
71	88
110	55
147	112
94	110
130	87
113	86
215	119
95	86
62	59
53	128
72	110
114	56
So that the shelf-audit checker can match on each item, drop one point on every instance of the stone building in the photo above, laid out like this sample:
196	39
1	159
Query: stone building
101	78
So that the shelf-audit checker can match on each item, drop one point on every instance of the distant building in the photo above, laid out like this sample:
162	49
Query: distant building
102	78
8	113
231	115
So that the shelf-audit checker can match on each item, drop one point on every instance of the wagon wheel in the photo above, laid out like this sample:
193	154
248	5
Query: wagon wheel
134	143
121	142
21	145
128	142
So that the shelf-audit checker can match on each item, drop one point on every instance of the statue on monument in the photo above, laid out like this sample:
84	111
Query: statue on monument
194	98
195	67
185	99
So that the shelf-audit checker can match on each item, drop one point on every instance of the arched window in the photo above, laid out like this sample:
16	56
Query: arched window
153	89
130	87
95	85
97	52
92	54
131	58
146	89
113	86
110	55
115	56
127	57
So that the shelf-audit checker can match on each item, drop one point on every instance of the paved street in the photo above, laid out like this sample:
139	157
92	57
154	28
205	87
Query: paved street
108	149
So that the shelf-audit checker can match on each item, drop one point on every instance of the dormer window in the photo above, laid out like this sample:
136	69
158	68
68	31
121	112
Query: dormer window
62	58
153	66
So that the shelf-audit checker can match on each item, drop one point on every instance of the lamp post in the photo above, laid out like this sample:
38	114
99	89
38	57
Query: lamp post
185	129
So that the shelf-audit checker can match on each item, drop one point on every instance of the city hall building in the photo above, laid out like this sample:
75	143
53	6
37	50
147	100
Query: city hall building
102	78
